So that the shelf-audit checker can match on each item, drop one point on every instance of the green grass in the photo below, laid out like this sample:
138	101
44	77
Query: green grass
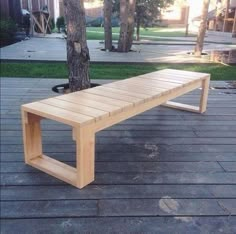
97	33
111	71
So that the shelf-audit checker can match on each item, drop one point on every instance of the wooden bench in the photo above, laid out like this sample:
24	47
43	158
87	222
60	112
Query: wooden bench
95	109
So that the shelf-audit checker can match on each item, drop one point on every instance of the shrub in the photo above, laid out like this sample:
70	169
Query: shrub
51	23
7	31
60	23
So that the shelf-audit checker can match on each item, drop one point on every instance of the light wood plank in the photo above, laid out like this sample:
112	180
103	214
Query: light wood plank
91	103
55	168
128	93
137	81
152	92
181	106
31	135
204	95
158	83
85	155
99	98
88	111
58	114
107	93
171	79
187	74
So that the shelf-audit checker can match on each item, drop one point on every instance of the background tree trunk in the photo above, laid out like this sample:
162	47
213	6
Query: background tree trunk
138	29
77	49
130	28
127	10
202	29
123	25
107	24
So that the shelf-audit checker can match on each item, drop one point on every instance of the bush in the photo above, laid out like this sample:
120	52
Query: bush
99	22
7	31
51	23
60	23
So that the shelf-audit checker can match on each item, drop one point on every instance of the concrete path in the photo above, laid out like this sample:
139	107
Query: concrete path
54	49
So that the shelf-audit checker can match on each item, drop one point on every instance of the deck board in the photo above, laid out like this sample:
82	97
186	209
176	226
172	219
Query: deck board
176	165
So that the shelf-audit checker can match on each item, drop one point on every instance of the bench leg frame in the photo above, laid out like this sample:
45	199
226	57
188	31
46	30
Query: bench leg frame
203	100
84	137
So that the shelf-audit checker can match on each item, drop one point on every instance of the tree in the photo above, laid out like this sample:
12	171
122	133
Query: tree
147	12
202	29
77	49
127	11
107	24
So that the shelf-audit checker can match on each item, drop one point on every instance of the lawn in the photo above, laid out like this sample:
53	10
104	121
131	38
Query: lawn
111	71
97	33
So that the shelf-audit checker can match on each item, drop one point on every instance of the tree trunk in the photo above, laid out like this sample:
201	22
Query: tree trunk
123	25
127	10
202	29
77	49
107	24
132	6
138	29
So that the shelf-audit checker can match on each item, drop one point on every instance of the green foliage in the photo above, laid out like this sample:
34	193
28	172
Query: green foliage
147	11
60	23
7	30
52	23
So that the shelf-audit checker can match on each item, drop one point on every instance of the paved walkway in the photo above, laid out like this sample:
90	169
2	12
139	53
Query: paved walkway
54	49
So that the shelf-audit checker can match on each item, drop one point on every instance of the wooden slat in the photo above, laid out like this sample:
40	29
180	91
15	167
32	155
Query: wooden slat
181	106
91	103
181	76
136	81
151	84
58	114
158	83
97	114
102	99
128	93
172	75
107	93
152	92
171	79
145	106
189	74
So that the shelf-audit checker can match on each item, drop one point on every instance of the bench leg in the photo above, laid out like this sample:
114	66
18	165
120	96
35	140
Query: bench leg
31	136
203	100
204	95
85	155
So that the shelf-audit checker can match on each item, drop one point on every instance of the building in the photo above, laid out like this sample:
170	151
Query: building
221	18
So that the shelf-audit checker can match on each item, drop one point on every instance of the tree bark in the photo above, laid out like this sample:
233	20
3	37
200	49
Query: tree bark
127	10
132	6
107	24
138	29
202	29
123	25
77	49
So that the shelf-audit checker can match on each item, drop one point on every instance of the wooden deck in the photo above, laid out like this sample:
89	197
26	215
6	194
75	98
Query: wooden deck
168	171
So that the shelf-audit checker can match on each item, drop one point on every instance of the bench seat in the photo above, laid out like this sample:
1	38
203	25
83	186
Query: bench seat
89	111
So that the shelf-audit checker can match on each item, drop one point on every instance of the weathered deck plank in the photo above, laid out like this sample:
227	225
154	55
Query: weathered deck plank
177	165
